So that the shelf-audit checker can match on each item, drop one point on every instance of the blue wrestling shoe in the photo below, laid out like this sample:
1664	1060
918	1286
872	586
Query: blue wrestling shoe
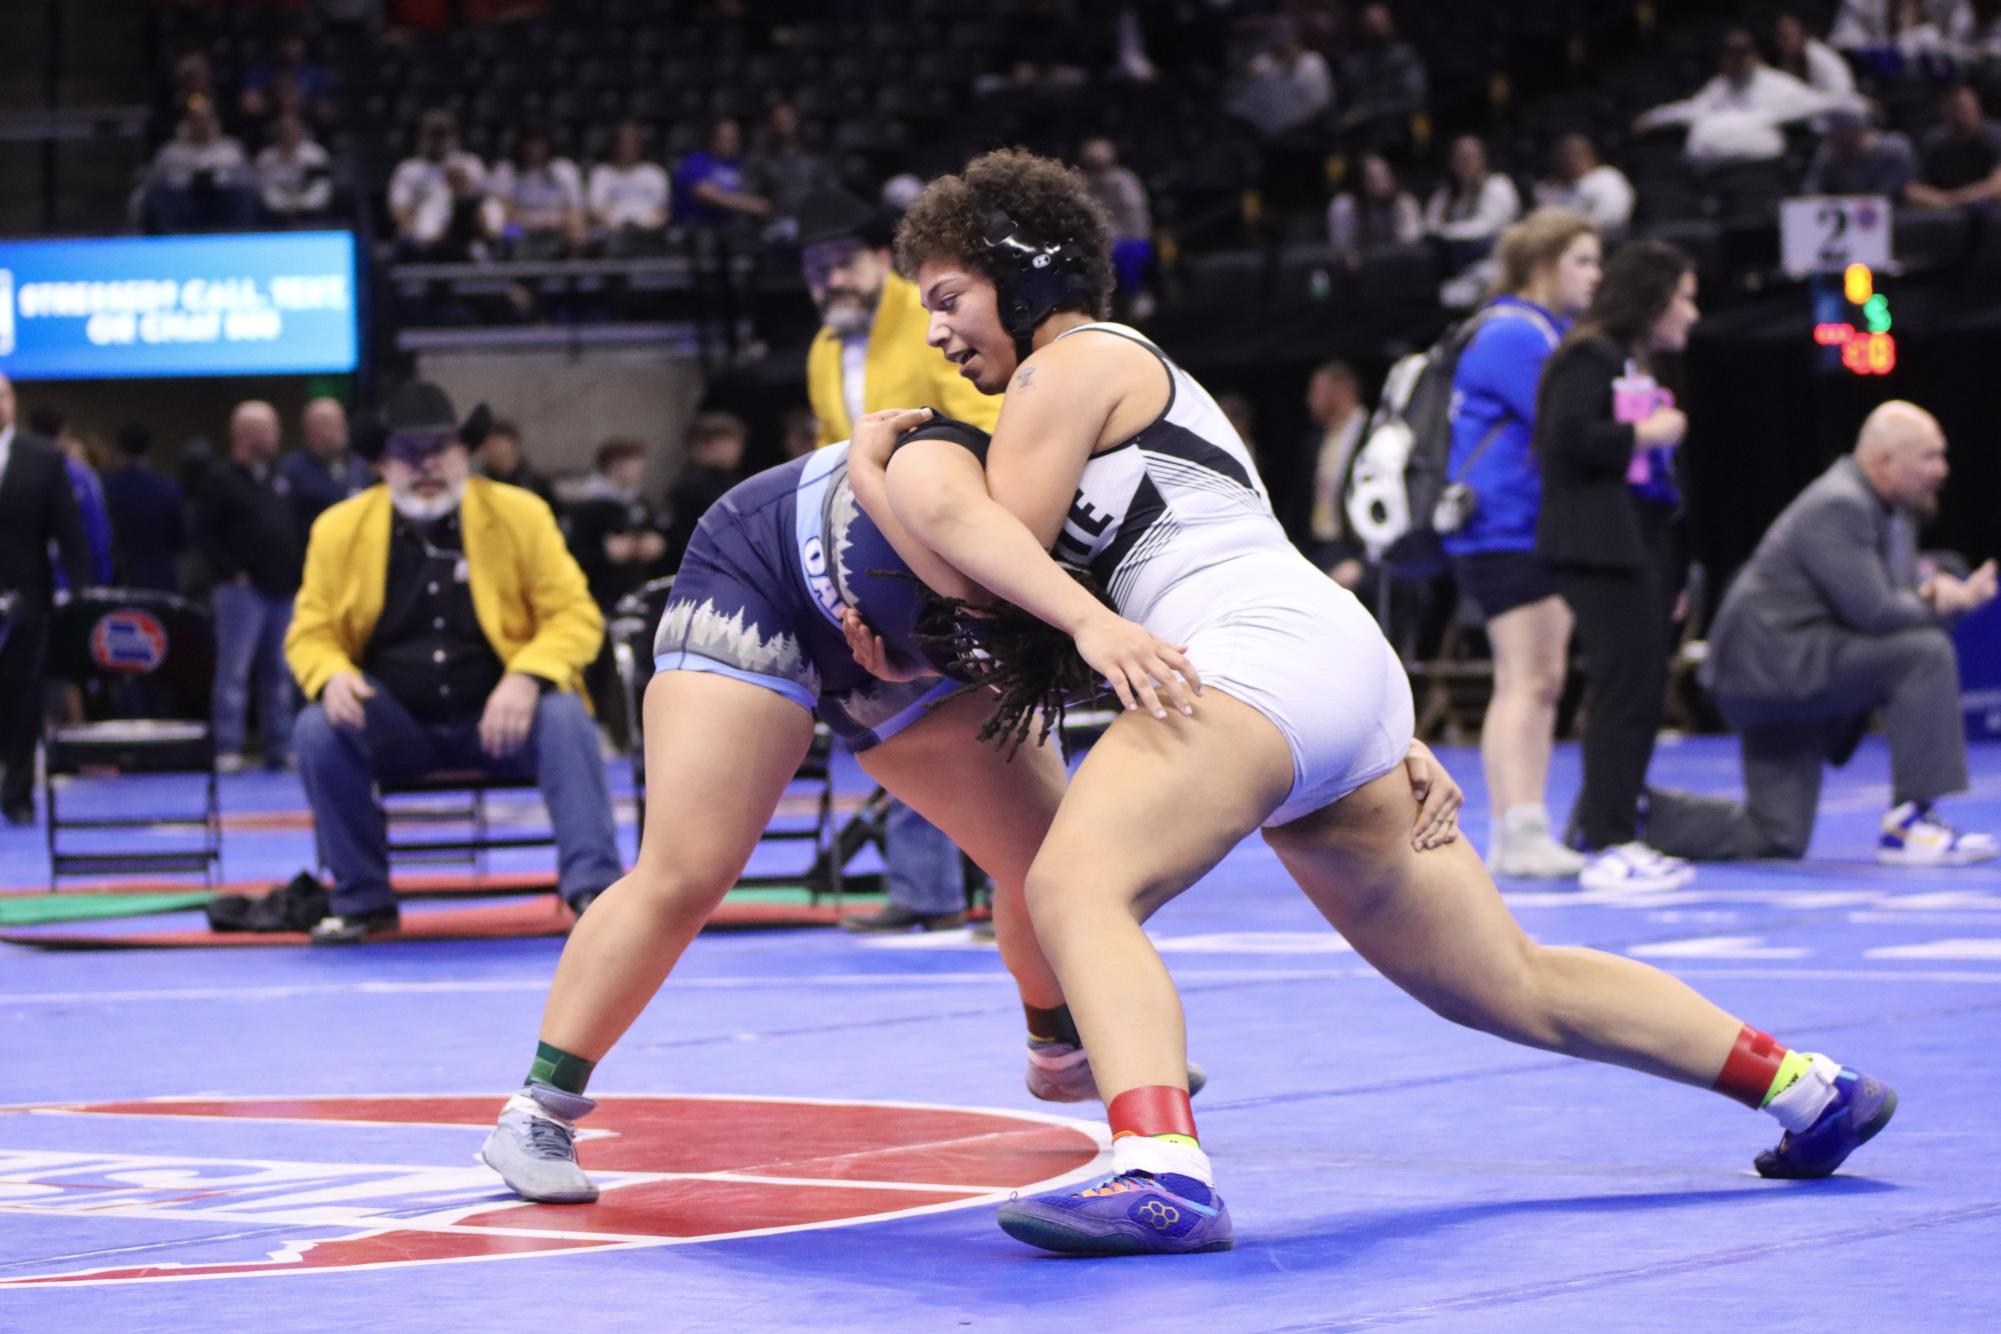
1132	1213
1862	1106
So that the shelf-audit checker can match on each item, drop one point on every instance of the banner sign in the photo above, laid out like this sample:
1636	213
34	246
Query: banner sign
267	303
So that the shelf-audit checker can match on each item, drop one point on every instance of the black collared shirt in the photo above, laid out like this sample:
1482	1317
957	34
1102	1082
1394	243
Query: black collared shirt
428	651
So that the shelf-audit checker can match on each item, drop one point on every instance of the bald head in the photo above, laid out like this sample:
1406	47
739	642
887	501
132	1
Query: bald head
1901	450
253	433
325	425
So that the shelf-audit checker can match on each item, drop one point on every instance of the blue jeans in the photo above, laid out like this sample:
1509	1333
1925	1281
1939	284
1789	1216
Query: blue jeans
340	766
921	865
250	643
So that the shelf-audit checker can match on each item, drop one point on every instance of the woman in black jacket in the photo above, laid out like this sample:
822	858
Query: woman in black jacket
1606	435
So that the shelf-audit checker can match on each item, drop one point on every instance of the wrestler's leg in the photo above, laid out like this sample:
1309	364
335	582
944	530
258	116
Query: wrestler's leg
1434	924
719	753
1154	806
997	810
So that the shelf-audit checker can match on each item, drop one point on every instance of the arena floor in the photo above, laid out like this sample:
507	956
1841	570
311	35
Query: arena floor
810	1130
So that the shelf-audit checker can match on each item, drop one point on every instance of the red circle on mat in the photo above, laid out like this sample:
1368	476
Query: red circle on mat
673	1170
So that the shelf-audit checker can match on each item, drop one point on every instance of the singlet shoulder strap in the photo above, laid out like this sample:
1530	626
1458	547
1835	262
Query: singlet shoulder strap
1133	335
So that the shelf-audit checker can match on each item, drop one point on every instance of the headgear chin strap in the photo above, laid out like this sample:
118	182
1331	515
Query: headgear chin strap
1033	278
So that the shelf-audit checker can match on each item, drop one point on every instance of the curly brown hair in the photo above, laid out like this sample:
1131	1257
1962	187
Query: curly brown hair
1046	198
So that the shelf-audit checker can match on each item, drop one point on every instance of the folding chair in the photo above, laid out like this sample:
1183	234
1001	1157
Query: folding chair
143	664
634	622
470	787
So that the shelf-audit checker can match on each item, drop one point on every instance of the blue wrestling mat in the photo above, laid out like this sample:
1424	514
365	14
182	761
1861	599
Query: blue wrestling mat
810	1130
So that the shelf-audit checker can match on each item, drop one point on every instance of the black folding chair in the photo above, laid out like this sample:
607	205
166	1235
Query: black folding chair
456	798
632	629
143	664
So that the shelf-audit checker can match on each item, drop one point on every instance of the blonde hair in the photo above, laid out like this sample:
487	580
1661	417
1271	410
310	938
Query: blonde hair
1537	240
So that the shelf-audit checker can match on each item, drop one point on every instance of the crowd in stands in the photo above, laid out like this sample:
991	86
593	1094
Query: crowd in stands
1343	116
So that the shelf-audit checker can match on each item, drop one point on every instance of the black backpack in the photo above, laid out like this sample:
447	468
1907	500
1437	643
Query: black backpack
1400	472
297	906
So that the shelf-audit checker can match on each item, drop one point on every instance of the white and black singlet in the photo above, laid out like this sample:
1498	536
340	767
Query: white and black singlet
1176	525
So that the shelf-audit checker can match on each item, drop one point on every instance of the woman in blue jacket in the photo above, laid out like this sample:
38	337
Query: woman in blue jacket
1549	269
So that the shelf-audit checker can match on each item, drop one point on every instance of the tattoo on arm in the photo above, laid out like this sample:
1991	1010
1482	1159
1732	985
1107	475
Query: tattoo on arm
1022	382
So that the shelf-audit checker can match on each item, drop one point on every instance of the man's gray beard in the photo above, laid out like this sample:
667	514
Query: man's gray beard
851	320
421	510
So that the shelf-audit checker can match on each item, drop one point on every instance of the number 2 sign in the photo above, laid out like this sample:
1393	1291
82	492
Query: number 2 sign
1821	233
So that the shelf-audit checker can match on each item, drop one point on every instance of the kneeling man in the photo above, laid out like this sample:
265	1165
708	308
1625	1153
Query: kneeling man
1833	618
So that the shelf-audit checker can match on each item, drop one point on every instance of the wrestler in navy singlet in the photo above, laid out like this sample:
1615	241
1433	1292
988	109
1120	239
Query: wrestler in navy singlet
759	596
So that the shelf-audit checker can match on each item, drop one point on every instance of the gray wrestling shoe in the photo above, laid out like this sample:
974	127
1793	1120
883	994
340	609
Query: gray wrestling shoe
534	1148
1061	1072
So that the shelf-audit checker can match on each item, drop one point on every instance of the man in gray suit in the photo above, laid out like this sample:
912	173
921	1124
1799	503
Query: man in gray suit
1833	618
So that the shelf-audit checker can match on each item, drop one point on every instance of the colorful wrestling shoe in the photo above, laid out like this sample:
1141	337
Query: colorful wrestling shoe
534	1148
1061	1072
1132	1213
1914	835
1861	1107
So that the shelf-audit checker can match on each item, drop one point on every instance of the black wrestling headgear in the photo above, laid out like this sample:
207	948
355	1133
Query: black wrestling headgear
1034	278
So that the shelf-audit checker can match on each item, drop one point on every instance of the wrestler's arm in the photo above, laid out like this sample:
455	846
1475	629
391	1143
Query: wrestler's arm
997	525
867	478
947	509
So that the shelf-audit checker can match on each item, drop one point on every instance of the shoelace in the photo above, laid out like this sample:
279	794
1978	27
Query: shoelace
1119	1183
550	1138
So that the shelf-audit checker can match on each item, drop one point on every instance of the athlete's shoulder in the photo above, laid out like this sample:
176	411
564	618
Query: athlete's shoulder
1090	354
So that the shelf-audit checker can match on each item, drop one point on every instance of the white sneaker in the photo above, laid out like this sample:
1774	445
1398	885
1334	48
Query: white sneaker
1635	868
1914	835
534	1147
1524	850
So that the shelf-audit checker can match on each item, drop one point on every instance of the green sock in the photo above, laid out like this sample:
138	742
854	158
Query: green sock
1793	1065
1053	1025
558	1069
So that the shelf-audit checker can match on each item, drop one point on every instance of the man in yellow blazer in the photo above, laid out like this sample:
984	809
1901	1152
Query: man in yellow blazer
871	354
442	624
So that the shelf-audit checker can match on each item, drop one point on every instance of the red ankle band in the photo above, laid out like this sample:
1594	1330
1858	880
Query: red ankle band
1750	1068
1156	1109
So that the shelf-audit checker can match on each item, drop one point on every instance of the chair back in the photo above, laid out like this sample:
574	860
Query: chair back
647	602
104	640
634	623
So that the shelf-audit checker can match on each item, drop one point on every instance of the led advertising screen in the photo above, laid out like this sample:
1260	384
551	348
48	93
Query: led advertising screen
135	307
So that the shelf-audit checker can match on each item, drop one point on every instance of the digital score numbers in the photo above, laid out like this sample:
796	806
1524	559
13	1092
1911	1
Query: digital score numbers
1862	340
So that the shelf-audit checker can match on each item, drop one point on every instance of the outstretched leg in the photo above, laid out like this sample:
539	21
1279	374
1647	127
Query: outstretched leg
1434	924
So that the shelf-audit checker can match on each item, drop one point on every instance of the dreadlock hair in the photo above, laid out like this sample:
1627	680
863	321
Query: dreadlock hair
1032	666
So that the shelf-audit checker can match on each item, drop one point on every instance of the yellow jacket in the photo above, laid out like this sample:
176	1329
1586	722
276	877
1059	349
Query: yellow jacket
527	591
902	370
